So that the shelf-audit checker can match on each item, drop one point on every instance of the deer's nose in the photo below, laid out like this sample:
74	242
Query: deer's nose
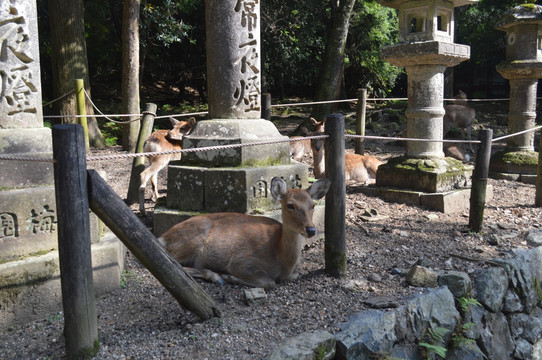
310	231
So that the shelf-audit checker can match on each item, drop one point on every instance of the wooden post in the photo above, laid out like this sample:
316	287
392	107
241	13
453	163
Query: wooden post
479	181
538	196
81	109
266	106
80	320
141	242
360	120
138	164
335	241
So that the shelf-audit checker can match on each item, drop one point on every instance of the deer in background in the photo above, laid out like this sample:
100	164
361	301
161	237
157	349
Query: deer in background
299	148
250	250
459	116
361	168
158	141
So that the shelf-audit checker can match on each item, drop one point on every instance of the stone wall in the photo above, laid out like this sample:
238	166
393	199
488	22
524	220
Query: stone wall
505	321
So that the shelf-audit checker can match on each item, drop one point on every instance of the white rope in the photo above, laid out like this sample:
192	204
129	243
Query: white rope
516	134
410	139
58	98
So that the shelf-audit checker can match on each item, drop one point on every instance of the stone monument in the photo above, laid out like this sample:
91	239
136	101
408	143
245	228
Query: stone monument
29	270
426	48
522	67
230	179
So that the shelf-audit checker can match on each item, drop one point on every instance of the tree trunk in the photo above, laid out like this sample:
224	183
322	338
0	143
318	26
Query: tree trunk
329	83
69	62
130	73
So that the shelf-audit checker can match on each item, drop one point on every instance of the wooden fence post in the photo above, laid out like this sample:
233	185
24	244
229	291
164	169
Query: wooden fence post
335	234
138	164
266	106
479	181
81	109
141	242
80	319
360	121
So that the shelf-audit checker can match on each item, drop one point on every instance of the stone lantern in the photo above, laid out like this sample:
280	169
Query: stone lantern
425	49
522	67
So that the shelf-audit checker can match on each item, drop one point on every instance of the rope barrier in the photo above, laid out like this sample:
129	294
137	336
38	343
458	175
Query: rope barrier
58	98
518	133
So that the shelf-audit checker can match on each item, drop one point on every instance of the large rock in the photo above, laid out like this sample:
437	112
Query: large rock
496	340
490	287
307	346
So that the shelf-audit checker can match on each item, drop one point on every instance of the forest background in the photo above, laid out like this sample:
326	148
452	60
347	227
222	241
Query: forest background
172	64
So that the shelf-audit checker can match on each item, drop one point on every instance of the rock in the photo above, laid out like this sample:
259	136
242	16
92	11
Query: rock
434	308
496	341
366	334
491	286
374	277
406	351
465	351
512	302
494	240
255	296
307	346
422	277
381	302
528	327
523	349
458	282
534	237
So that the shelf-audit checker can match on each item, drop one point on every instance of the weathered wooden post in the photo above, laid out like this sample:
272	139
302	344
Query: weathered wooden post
81	109
138	165
143	245
479	181
80	320
360	120
335	241
266	106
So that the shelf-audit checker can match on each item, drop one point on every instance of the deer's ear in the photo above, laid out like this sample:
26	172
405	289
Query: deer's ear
319	188
278	188
192	121
173	121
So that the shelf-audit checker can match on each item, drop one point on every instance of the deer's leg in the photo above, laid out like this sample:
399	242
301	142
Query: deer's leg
204	274
157	163
154	183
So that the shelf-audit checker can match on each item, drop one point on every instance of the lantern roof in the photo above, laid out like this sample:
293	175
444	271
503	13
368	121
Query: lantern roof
529	13
396	3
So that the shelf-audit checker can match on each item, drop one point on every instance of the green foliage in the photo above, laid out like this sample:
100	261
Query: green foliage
435	342
465	303
112	133
372	26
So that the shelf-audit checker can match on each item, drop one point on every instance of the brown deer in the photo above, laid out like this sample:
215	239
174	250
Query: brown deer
299	148
158	141
361	168
250	250
459	116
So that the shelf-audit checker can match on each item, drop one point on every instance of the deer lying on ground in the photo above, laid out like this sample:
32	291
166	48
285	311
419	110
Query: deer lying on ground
361	168
457	151
158	141
250	250
460	117
299	148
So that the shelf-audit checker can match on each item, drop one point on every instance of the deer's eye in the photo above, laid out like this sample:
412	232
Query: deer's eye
290	206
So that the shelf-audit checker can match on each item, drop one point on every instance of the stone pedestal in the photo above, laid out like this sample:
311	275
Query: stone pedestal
29	275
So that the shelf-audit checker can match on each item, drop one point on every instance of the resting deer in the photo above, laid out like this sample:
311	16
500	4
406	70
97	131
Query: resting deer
299	148
361	168
457	151
158	141
460	117
250	250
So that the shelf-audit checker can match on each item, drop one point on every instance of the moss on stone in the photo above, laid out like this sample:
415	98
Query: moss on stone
517	157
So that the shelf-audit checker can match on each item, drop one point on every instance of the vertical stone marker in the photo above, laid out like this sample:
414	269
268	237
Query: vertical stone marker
29	283
232	179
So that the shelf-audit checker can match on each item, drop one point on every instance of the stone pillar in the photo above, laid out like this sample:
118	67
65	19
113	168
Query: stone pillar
233	59
232	179
29	270
522	114
425	111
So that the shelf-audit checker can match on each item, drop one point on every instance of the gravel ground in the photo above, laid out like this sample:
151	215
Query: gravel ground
141	320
